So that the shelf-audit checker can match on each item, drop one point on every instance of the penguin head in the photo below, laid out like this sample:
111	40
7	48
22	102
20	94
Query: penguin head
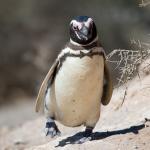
82	30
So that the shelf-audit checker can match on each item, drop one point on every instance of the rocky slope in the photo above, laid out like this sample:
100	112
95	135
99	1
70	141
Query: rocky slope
126	127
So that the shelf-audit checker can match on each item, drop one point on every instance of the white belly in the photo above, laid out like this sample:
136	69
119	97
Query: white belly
78	89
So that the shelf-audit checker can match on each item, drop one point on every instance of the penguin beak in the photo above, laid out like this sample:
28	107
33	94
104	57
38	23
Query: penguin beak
84	33
84	30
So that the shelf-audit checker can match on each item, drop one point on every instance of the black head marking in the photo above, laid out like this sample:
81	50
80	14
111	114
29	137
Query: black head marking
82	30
81	18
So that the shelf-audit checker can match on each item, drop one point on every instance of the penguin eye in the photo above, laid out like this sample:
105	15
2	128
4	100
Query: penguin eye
75	28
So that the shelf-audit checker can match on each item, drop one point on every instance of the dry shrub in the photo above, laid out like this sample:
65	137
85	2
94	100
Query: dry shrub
127	63
128	60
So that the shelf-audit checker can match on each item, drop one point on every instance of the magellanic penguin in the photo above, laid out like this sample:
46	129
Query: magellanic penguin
78	81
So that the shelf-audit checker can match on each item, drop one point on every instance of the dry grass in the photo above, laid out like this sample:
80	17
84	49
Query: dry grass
127	63
128	60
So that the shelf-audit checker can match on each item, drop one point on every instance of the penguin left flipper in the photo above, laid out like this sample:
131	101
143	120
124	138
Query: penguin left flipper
41	95
108	85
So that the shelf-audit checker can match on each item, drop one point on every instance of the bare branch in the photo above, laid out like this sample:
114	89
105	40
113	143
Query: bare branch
128	62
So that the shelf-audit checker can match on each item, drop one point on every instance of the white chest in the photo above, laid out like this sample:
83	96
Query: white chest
80	72
77	89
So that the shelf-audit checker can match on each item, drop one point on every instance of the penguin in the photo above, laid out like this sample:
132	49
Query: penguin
78	82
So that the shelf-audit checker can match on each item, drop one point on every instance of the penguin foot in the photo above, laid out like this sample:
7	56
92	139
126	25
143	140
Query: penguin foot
52	129
86	136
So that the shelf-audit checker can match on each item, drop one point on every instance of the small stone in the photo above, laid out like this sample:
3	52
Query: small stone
135	147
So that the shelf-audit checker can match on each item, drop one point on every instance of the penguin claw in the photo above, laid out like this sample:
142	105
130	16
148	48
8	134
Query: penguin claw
52	130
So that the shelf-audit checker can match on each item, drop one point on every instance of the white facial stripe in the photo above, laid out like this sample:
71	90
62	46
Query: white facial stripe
79	24
88	22
76	24
73	22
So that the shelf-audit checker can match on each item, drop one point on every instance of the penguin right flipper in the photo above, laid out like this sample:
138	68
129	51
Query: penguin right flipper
108	85
41	95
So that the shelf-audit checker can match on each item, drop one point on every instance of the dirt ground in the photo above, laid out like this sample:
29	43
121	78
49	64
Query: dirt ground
123	128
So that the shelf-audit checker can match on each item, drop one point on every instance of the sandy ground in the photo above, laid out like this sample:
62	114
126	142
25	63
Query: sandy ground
118	129
17	113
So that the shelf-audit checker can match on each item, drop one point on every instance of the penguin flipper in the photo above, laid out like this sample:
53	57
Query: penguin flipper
41	94
108	85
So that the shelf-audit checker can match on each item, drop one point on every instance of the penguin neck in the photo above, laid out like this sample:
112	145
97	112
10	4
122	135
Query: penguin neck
76	46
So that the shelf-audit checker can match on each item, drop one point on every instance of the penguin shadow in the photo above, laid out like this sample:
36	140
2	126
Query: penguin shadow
100	135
